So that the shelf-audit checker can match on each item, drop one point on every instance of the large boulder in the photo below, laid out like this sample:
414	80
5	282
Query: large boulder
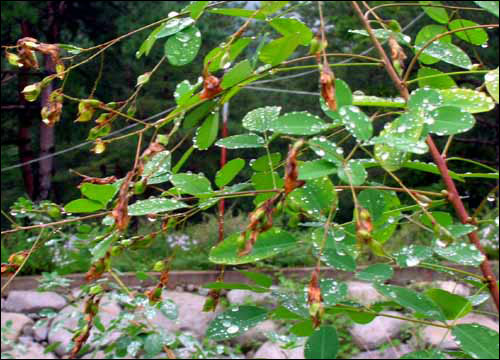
363	293
18	324
437	336
270	350
390	353
67	320
33	301
191	317
382	329
257	333
240	297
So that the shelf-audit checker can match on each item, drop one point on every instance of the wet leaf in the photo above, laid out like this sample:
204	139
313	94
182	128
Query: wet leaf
376	272
83	206
207	132
266	163
298	123
241	141
491	81
468	100
309	170
322	344
183	47
450	120
193	184
173	26
279	50
292	28
352	173
453	306
461	253
327	150
154	206
315	199
101	193
356	122
441	82
473	36
476	340
237	74
235	322
261	119
436	13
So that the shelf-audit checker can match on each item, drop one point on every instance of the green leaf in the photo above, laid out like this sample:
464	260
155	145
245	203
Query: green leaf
268	244
238	73
184	90
384	34
469	100
298	123
225	175
173	26
235	322
260	119
239	13
153	344
241	141
215	55
282	313
427	33
436	13
101	193
315	198
183	47
450	120
491	6
453	306
83	206
352	173
411	299
279	50
448	53
316	169
303	328
207	132
270	7
424	100
323	344
402	144
461	253
368	100
262	163
169	308
264	181
157	169
154	206
476	340
192	184
333	292
356	122
473	36
491	81
327	150
412	255
292	28
334	254
425	354
235	286
102	247
376	272
196	8
147	45
438	82
343	96
194	116
259	278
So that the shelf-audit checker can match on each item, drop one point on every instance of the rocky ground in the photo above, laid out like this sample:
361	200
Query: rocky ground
29	333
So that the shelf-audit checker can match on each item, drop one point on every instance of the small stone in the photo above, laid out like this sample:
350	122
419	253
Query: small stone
382	329
441	337
19	323
270	350
363	293
33	301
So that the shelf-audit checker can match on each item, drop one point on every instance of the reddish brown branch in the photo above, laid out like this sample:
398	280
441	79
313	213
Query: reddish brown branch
454	197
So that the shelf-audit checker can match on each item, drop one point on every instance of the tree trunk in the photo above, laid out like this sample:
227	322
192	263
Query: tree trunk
25	122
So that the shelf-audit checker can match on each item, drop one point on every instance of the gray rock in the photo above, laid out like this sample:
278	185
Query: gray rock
240	297
33	301
30	350
377	332
441	337
270	350
67	320
453	287
391	353
2	304
191	318
19	323
41	330
363	293
257	333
